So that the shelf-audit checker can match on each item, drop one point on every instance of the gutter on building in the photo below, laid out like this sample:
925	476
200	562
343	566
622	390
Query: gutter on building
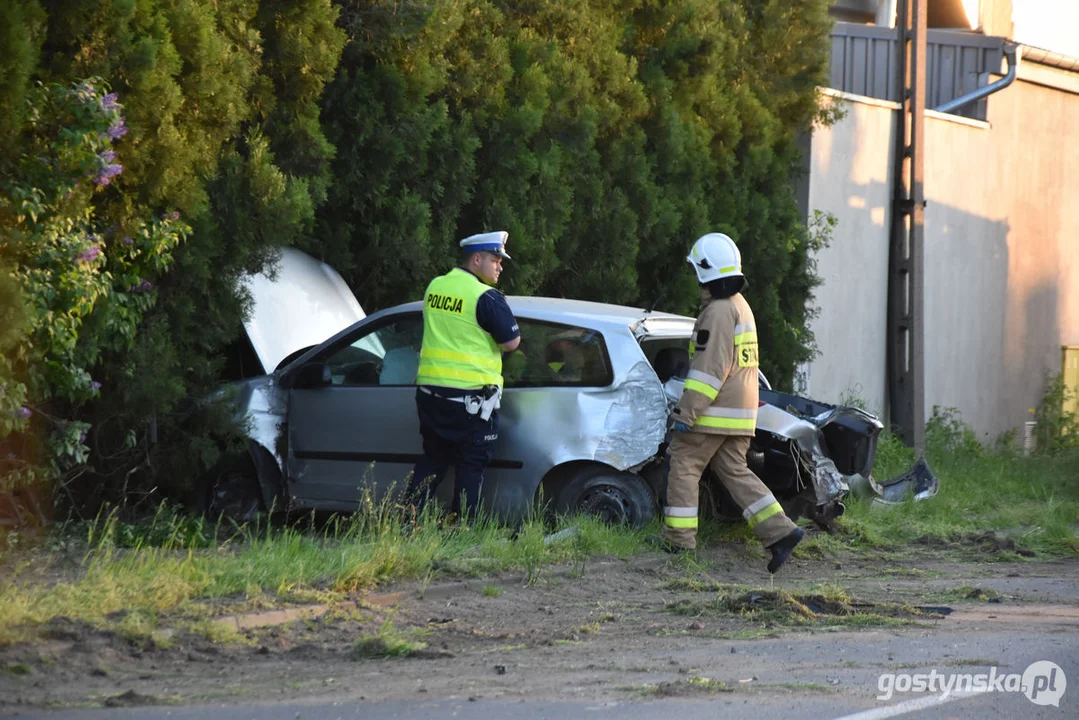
1012	54
1048	57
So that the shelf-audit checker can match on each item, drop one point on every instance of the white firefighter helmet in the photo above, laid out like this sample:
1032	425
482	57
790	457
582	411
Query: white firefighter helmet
715	256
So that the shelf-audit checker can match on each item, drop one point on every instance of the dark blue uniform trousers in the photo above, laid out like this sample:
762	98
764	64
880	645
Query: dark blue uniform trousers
452	437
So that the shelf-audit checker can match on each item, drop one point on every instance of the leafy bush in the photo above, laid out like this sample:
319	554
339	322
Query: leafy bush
605	136
82	282
222	125
1057	429
946	433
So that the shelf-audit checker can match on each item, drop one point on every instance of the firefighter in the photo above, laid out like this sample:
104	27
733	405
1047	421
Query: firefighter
467	325
715	418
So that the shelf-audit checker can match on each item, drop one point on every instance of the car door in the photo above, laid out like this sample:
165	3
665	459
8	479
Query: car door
553	387
358	434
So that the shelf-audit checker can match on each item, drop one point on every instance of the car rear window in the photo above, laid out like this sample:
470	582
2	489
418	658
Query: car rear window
553	355
669	357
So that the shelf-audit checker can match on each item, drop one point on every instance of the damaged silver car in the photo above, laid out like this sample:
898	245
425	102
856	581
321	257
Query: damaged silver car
584	423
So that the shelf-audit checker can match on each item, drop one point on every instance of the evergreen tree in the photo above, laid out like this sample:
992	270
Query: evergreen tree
222	124
604	135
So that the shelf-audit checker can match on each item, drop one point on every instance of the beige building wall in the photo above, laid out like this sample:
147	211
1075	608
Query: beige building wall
1032	153
1002	253
850	177
996	17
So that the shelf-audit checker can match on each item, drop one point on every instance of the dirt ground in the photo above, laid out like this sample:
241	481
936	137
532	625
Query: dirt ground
605	631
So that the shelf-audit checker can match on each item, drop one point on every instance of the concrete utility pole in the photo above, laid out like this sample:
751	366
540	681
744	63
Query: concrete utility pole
906	279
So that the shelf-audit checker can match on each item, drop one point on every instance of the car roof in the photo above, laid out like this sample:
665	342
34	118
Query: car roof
566	310
596	315
593	315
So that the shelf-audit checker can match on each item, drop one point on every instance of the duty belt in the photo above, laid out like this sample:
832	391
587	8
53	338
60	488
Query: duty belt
443	397
483	402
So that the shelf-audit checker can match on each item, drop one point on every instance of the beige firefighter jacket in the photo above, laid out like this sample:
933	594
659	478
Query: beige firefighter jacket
720	394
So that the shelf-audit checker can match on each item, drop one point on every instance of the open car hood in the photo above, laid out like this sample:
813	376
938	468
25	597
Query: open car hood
305	302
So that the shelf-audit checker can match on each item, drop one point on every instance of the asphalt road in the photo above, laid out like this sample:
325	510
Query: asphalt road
785	681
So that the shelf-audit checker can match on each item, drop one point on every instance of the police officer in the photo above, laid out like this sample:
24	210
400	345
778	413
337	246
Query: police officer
716	416
467	325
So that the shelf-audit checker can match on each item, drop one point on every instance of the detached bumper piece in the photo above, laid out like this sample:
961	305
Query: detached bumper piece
916	484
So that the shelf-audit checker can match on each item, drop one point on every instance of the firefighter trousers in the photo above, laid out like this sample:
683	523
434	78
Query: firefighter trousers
690	452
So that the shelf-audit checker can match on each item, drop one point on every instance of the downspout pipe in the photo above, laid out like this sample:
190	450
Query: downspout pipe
1012	54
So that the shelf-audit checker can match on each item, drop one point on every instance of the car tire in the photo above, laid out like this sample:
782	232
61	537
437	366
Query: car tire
614	497
233	493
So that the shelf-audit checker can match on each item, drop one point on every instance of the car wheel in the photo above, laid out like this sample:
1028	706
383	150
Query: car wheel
613	497
233	493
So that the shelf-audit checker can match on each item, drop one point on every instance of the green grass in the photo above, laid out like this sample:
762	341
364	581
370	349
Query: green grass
260	566
998	504
177	571
821	606
966	592
388	642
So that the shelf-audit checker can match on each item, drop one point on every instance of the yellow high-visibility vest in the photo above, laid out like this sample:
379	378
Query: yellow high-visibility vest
456	351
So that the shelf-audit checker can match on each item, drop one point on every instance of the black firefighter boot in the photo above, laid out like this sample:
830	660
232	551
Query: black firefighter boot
782	549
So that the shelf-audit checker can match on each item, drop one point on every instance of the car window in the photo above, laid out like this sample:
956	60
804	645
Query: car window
552	355
669	357
388	354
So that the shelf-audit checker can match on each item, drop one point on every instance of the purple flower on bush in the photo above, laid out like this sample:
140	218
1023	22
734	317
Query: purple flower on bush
109	102
95	386
82	436
89	254
117	130
127	241
175	214
108	156
143	286
23	413
108	172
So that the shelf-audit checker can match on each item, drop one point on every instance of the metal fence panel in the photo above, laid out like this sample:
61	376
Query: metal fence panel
864	62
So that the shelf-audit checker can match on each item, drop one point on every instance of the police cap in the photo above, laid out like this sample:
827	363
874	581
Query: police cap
492	242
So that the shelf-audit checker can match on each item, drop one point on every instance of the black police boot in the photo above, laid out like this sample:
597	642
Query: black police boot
781	550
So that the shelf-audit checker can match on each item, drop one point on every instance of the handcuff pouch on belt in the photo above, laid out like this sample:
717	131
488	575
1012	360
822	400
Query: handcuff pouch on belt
485	402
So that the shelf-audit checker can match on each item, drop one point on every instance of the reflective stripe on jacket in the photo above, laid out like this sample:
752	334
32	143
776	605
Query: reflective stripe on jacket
456	351
721	393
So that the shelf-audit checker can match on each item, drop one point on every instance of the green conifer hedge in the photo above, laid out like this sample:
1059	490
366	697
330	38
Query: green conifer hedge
604	135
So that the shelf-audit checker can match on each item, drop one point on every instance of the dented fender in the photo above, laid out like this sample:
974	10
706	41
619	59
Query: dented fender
261	405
